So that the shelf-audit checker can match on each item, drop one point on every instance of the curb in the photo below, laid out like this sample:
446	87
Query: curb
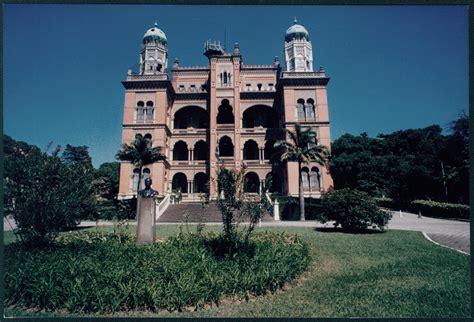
431	240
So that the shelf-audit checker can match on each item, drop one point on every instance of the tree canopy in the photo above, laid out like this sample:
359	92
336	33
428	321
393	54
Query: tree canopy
405	165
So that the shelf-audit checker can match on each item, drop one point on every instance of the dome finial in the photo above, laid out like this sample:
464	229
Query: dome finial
295	21
156	23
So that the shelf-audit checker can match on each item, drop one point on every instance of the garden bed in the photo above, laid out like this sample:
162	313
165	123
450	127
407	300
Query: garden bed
87	272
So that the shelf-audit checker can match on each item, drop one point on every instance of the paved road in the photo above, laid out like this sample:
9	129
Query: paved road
451	233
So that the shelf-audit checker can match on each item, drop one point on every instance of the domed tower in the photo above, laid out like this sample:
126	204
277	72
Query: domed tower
298	49
154	53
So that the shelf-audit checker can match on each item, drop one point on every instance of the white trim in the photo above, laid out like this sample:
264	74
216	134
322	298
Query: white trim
431	240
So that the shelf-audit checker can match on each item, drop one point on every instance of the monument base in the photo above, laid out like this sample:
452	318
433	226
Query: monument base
146	221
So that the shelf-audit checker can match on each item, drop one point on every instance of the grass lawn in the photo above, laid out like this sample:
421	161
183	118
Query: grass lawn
394	274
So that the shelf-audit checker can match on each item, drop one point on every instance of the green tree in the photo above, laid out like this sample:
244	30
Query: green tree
140	153
302	147
455	160
47	195
107	180
77	155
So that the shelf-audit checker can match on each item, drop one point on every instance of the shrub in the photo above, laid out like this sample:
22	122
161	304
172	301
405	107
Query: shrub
440	209
49	195
353	210
97	272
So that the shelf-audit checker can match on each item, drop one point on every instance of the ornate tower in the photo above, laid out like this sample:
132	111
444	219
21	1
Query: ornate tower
298	49
154	53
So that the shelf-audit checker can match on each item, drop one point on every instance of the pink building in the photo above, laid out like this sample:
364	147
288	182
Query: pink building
227	106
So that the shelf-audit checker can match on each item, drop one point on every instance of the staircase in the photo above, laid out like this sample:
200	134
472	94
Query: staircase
176	213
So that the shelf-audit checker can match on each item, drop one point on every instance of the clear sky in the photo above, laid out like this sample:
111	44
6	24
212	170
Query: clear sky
391	67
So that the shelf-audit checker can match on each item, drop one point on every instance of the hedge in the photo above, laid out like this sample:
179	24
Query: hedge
428	208
439	209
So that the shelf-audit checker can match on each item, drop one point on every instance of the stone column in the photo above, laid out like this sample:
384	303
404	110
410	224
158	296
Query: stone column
146	220
189	156
260	187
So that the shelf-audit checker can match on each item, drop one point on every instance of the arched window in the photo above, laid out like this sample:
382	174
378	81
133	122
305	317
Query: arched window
225	115
251	182
180	151
200	182
305	178
180	182
259	115
315	179
146	174
251	150
149	111
135	175
148	138
201	150
140	111
309	109
191	116
300	109
226	148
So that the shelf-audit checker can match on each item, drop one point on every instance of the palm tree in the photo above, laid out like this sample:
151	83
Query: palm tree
140	153
302	147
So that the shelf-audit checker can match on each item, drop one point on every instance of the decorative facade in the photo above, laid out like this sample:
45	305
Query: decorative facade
226	113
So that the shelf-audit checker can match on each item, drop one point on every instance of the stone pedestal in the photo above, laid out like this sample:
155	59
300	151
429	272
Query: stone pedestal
146	220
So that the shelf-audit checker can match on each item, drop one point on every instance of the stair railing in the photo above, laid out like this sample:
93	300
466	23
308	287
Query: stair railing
162	206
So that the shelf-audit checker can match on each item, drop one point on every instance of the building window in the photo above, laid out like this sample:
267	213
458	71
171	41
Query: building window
226	148
270	86
149	111
259	86
300	110
251	182
181	88
225	115
305	178
310	110
193	88
135	177
148	137
140	111
314	179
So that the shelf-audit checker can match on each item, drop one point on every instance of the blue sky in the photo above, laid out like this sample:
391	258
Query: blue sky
391	67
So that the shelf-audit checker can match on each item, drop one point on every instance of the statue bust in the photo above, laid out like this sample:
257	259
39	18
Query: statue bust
148	192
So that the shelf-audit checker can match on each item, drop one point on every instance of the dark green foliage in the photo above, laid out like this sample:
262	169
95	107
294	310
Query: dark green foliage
77	155
353	210
439	209
46	195
406	165
115	209
428	208
107	180
96	272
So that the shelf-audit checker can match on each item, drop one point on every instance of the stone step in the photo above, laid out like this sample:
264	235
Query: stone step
195	213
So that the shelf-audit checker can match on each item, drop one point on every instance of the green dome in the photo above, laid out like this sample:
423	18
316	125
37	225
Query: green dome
296	31
156	35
